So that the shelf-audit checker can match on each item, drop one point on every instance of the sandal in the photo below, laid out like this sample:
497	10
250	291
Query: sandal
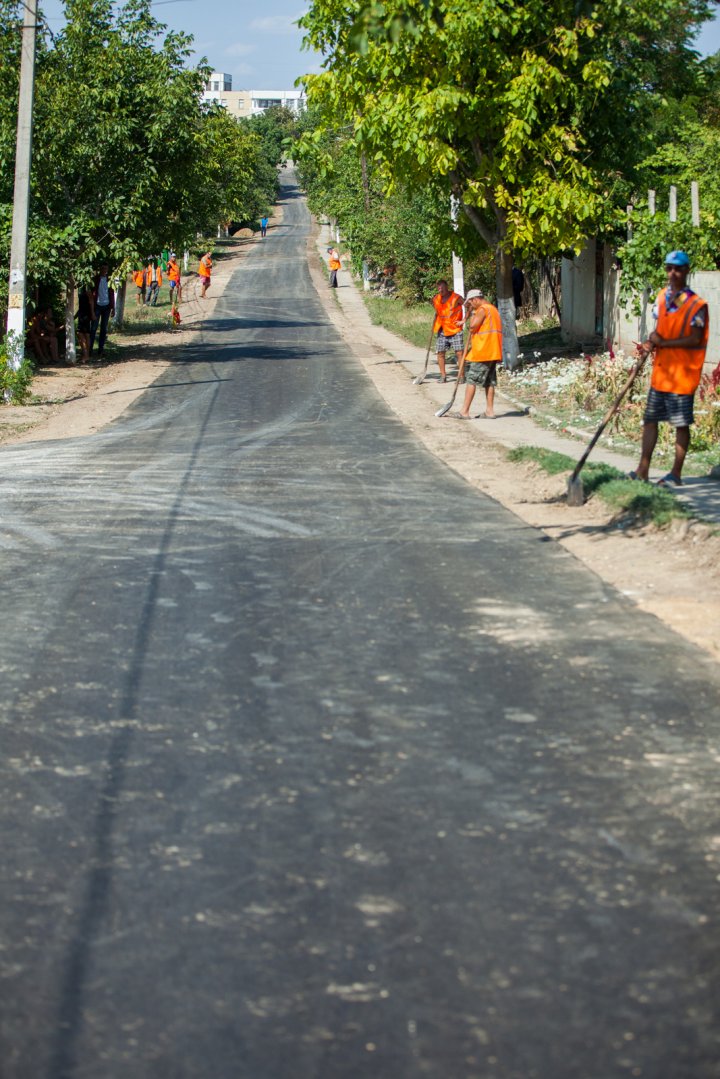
669	481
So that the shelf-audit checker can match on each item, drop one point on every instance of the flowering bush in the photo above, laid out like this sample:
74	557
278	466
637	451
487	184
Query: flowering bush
580	391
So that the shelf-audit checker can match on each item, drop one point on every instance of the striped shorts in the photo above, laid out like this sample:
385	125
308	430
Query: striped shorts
456	343
673	408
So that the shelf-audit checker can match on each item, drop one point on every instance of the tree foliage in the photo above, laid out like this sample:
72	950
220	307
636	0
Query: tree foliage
127	160
533	115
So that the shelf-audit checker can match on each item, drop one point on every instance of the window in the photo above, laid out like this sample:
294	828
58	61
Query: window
216	85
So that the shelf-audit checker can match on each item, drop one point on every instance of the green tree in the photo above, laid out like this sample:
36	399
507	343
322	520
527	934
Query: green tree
526	113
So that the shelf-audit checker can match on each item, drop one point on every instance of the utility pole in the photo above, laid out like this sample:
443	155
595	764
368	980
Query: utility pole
457	264
21	197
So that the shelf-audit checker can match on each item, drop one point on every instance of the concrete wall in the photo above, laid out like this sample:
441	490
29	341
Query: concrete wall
621	327
578	295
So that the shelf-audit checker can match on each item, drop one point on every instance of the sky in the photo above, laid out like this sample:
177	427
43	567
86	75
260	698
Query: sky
259	44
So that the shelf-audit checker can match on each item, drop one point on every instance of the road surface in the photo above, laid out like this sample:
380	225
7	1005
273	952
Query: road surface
318	764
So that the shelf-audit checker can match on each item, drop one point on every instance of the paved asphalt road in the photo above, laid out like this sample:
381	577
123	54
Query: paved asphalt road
318	763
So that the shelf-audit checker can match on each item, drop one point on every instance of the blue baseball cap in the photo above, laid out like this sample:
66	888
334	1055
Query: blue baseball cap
677	258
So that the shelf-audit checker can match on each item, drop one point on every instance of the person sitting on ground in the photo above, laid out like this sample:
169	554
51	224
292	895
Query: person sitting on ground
448	324
35	341
483	352
205	271
680	341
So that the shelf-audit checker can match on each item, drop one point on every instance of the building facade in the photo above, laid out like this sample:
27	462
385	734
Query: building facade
250	102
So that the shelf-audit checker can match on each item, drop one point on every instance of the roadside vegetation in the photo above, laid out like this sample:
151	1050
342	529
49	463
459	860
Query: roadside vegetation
641	502
577	393
128	160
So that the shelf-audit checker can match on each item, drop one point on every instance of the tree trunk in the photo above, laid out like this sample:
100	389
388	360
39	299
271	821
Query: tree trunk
120	305
506	307
70	347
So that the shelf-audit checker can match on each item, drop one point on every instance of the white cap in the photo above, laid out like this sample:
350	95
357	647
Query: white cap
473	294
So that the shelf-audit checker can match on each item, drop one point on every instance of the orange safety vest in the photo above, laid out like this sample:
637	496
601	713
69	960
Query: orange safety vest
173	271
205	267
486	343
334	261
448	314
148	276
139	278
678	370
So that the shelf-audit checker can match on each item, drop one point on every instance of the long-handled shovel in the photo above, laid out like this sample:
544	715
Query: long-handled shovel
420	378
446	408
575	493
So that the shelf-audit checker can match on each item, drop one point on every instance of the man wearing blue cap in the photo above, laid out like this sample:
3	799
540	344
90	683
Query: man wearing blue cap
679	341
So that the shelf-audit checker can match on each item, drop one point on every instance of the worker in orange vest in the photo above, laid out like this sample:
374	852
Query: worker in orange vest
205	271
680	342
153	281
448	324
173	272
333	265
483	352
139	280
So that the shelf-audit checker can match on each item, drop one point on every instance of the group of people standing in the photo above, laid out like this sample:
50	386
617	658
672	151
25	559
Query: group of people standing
678	346
149	279
477	358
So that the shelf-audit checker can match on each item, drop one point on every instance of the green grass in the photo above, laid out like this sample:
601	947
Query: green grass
640	501
411	323
140	320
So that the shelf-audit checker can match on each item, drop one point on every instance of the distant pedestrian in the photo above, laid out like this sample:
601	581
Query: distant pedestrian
104	299
482	354
263	226
334	265
139	280
448	324
680	341
205	271
173	272
85	315
153	281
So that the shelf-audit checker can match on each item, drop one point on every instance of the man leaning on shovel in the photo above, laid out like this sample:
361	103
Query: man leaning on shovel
680	341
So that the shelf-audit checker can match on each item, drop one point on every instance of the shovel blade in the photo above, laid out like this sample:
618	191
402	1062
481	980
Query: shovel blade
575	492
418	380
445	409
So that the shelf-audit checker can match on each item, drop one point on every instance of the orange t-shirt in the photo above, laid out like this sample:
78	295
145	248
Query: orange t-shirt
448	314
205	267
173	271
334	261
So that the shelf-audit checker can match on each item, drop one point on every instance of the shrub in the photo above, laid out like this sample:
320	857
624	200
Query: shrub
14	385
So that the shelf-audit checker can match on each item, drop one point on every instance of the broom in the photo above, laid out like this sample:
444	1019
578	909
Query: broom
419	378
575	493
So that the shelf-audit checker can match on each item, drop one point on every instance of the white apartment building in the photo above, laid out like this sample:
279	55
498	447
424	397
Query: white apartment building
250	102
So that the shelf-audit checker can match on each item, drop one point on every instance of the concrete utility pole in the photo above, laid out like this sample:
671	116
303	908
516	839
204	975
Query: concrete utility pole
21	198
457	264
